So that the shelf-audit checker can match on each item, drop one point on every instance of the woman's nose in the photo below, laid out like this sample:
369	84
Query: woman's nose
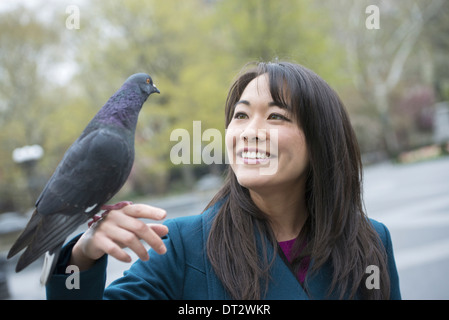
254	131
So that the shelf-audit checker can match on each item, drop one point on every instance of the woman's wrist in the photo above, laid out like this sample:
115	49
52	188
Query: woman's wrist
79	259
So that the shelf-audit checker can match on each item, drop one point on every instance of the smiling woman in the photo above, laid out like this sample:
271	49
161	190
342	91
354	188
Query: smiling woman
314	196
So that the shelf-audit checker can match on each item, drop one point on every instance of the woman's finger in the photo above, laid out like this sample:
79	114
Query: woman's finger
113	249
153	240
160	229
127	231
127	239
144	211
151	234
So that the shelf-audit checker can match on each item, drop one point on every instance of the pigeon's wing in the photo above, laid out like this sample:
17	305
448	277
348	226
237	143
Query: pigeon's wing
91	172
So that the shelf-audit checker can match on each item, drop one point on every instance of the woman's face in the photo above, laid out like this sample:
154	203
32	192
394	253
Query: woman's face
265	146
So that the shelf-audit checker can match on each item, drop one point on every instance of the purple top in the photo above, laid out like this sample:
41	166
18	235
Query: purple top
286	247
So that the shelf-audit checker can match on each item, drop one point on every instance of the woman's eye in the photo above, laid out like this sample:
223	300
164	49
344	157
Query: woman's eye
240	115
277	116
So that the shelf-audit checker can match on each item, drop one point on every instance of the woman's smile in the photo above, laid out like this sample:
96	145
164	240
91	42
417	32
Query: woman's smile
254	156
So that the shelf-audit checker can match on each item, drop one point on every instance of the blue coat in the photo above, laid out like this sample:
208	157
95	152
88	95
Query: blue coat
185	272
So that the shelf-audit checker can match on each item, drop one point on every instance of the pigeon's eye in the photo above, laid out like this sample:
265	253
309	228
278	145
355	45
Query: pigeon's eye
148	80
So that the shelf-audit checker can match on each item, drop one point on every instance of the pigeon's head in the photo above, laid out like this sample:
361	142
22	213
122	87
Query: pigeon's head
144	82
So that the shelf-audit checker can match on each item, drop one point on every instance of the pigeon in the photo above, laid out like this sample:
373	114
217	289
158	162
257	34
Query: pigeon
93	169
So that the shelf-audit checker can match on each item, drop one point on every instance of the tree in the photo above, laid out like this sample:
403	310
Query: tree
436	42
27	51
377	58
255	30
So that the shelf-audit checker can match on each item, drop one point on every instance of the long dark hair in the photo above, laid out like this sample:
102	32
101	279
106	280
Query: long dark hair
337	230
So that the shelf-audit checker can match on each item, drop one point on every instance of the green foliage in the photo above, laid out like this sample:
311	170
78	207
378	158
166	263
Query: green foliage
192	49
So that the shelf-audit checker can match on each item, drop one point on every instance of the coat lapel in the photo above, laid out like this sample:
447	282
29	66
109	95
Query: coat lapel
318	282
284	285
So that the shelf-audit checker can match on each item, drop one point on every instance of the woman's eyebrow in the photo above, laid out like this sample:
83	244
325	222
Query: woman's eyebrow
278	104
270	104
245	102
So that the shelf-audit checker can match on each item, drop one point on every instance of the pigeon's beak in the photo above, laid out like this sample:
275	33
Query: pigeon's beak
155	89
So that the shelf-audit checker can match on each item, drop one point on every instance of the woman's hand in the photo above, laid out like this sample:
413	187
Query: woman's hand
119	229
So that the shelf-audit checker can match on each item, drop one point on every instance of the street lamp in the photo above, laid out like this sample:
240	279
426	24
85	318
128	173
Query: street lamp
27	157
27	154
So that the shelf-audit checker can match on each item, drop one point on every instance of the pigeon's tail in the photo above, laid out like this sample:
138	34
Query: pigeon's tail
26	237
44	234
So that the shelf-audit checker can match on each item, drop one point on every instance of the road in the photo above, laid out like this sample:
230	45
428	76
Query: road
411	200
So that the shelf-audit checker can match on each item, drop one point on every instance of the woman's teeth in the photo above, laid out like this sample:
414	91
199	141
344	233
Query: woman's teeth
254	155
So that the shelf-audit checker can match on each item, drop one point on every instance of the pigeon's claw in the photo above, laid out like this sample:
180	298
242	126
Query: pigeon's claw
117	206
93	220
108	208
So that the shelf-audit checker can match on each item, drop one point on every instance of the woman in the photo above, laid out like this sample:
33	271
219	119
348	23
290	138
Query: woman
287	224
